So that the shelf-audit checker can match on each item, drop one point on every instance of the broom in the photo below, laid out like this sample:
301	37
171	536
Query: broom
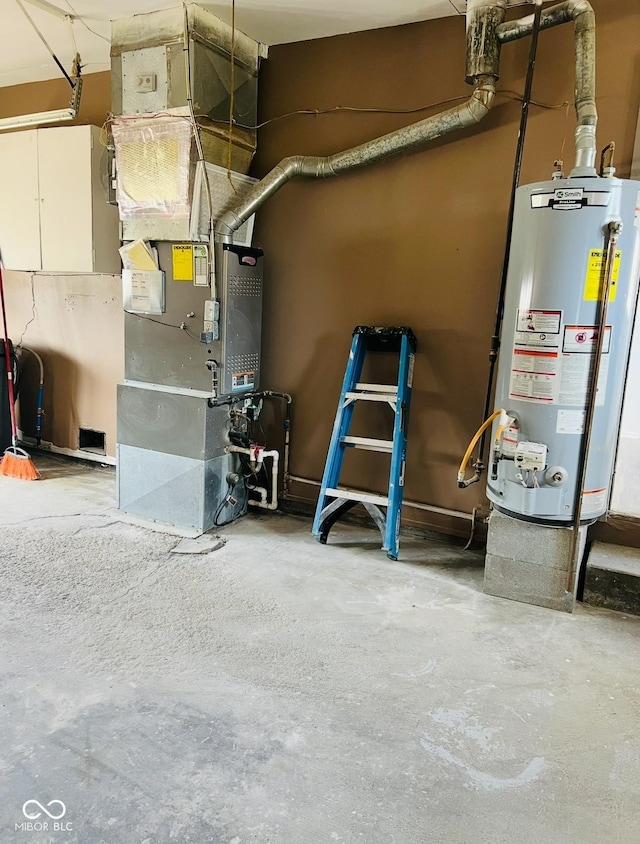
15	463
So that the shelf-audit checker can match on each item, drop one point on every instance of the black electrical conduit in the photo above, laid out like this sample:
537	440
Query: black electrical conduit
517	169
610	243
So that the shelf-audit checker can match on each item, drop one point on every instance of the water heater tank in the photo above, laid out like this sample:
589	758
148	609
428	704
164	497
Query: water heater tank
549	335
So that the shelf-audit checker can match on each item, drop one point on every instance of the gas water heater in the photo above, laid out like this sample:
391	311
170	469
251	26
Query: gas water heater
549	338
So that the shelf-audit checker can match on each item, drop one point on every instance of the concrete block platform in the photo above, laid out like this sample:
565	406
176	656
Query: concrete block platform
613	578
529	563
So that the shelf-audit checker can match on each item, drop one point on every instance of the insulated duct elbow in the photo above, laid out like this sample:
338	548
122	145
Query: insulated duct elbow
288	168
582	14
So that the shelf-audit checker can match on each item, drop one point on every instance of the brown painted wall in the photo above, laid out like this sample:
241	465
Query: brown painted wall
417	240
74	322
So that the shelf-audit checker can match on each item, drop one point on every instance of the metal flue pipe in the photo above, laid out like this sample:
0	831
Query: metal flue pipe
316	167
581	12
484	17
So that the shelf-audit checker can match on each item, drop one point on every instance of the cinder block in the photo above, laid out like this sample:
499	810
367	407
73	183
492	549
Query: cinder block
613	578
519	540
528	582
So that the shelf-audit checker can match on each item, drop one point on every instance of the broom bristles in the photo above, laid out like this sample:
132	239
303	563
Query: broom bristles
16	463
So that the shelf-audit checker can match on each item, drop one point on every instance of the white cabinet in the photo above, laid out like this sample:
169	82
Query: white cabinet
19	201
53	213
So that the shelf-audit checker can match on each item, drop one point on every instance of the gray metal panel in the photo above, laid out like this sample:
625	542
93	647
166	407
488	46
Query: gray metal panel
173	489
172	423
163	487
116	84
177	94
157	352
241	319
145	62
160	354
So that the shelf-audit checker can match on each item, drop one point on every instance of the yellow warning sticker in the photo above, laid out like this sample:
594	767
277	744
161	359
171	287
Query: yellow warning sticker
595	281
182	255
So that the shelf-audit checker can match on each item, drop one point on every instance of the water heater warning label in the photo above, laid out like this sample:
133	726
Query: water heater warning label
533	375
536	352
581	339
538	322
578	348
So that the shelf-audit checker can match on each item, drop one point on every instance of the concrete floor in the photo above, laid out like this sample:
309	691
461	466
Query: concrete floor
281	691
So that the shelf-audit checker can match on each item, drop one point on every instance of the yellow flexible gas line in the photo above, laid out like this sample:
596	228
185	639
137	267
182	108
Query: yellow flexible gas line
499	432
472	444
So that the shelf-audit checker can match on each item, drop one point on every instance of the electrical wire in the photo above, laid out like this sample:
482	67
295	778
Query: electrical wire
514	95
72	33
232	93
473	529
316	112
85	24
34	312
45	42
564	139
226	500
181	327
158	321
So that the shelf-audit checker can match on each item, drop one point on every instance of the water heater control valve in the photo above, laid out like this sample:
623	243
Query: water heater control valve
531	456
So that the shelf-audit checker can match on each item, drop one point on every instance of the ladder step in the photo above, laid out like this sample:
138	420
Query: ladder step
390	397
368	444
379	388
354	495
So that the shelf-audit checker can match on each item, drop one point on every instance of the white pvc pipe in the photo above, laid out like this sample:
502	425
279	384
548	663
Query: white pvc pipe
256	466
417	505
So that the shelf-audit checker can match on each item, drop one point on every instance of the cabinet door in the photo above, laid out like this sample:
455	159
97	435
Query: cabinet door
19	201
64	163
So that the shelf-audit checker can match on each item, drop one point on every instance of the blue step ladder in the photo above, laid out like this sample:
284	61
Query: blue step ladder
334	501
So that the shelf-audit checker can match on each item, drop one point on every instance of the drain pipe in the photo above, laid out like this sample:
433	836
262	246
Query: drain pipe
582	14
256	466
